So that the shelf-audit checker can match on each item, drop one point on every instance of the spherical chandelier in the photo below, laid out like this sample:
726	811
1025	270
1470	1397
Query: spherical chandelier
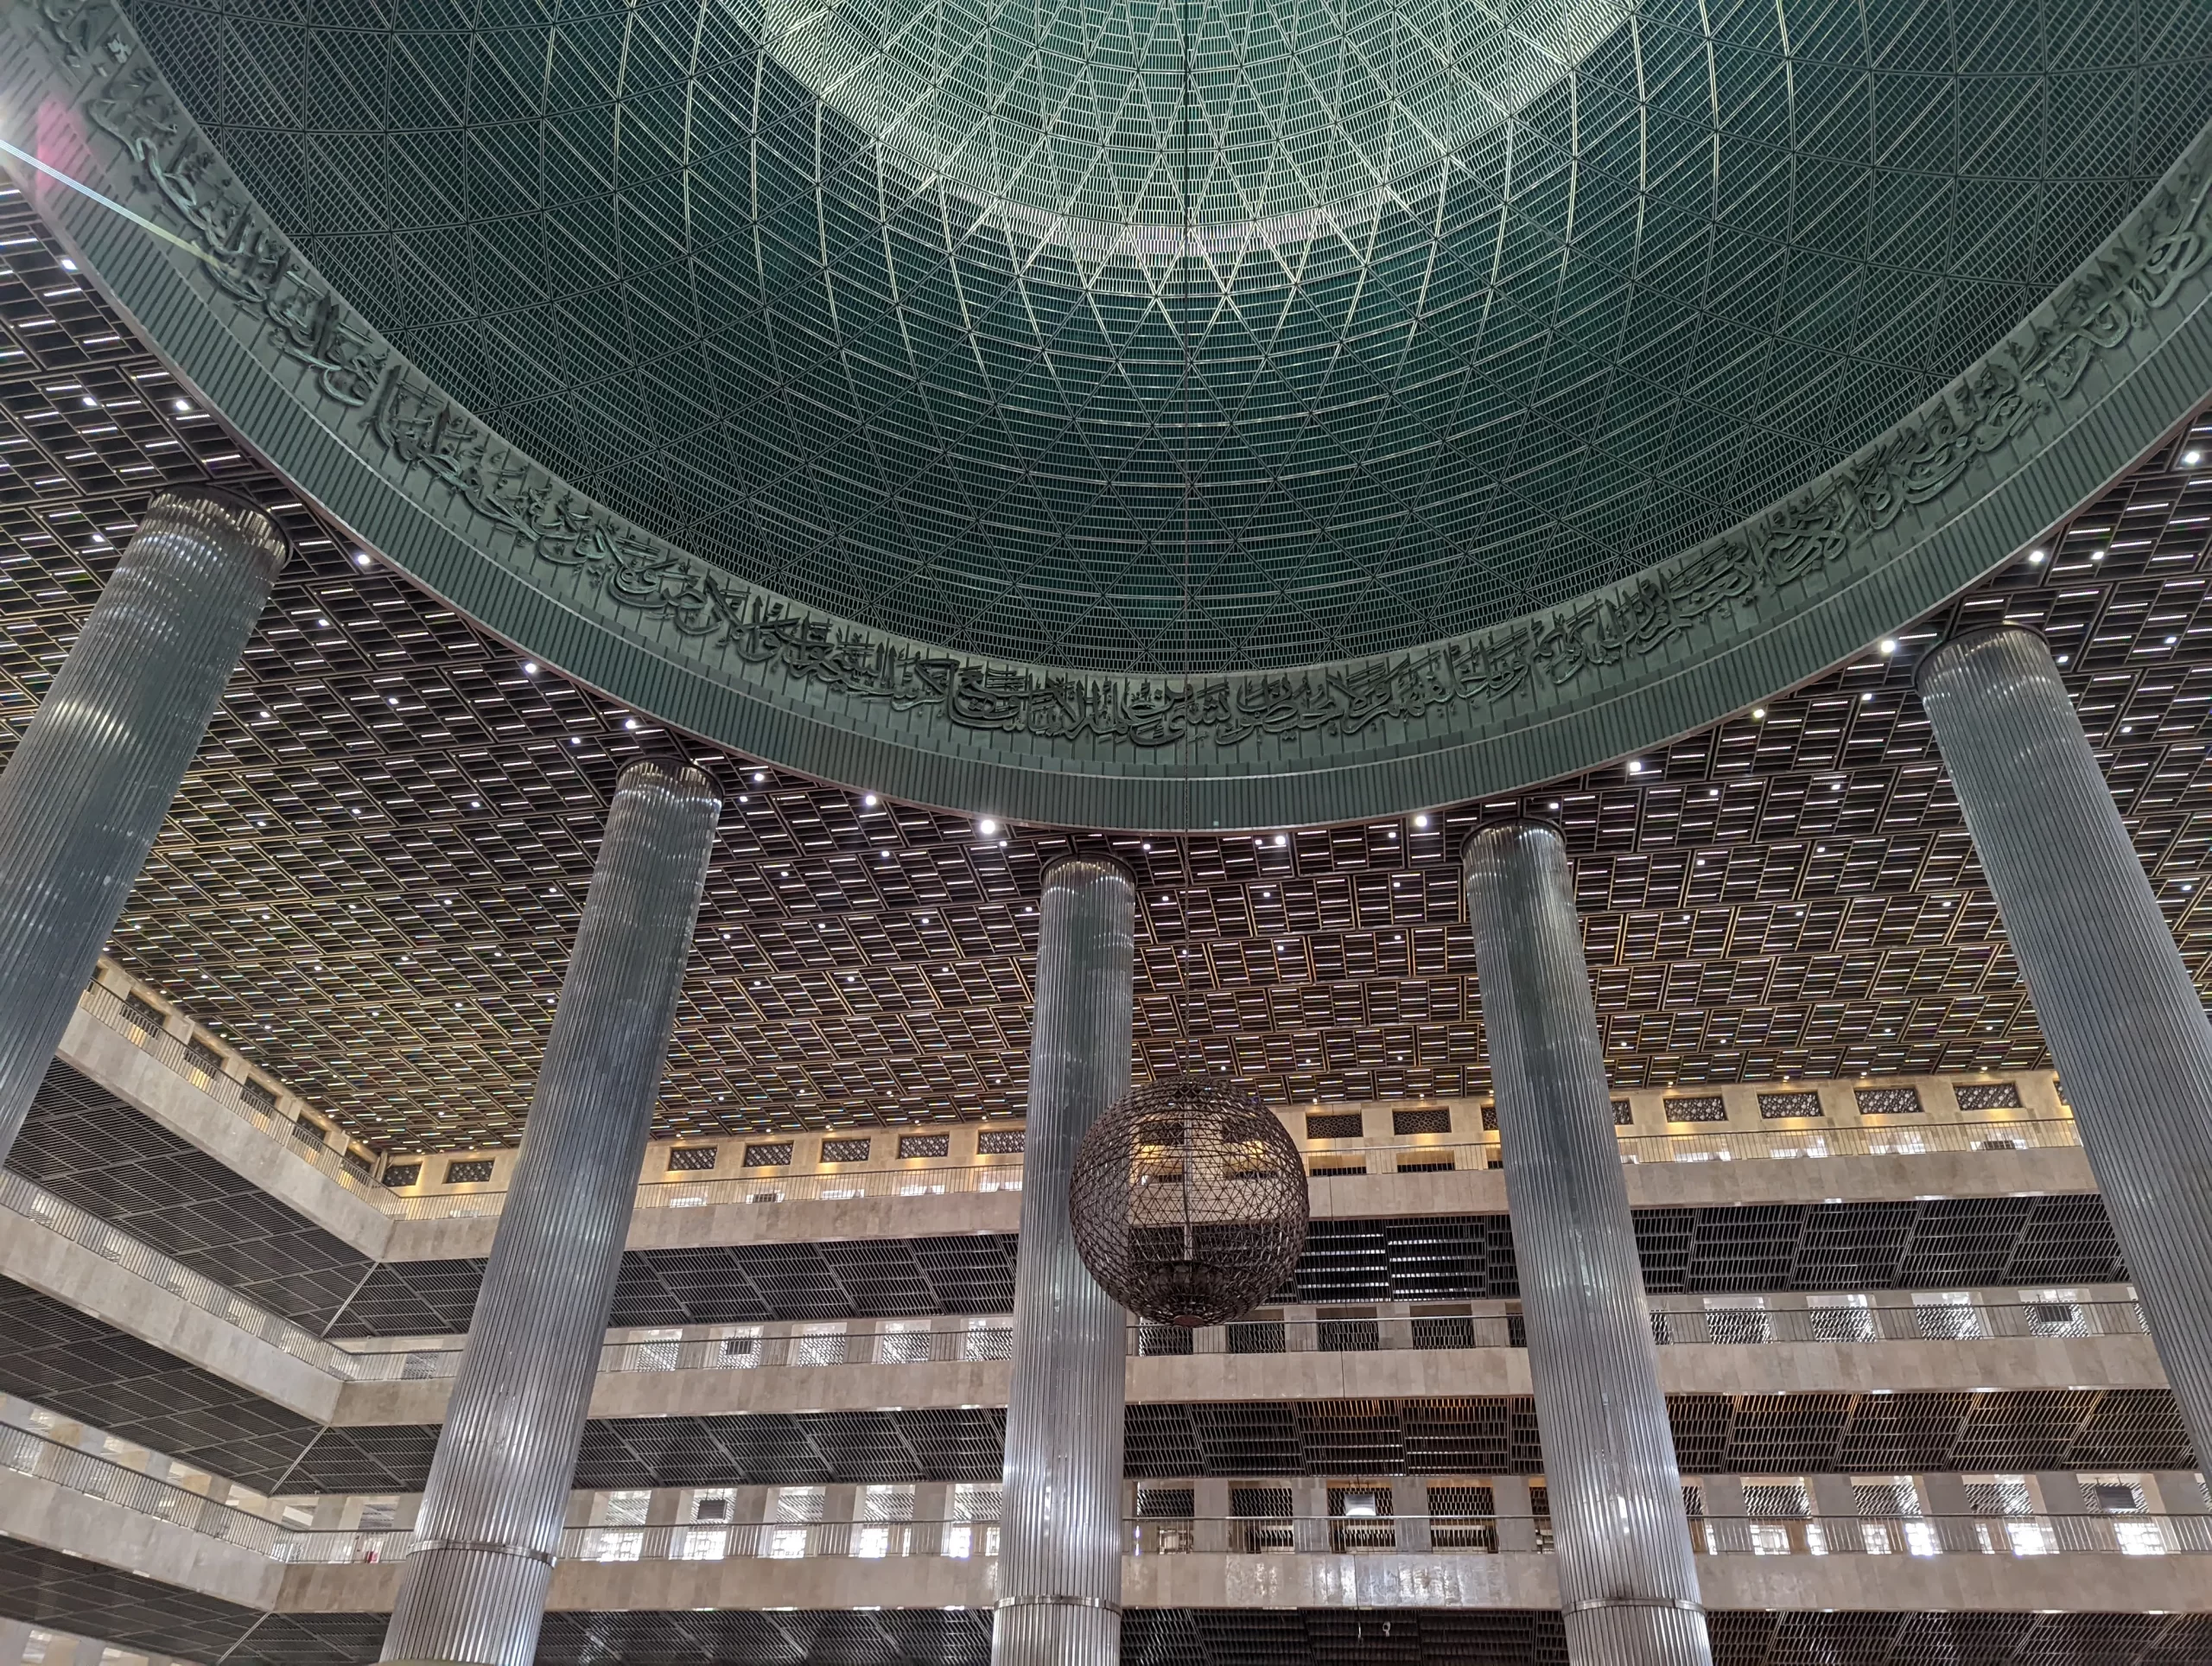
1188	1201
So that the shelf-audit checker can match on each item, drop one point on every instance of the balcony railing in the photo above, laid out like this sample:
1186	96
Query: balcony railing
957	1179
1891	1317
27	1453
2022	1534
1909	1138
141	1259
227	1091
2139	1534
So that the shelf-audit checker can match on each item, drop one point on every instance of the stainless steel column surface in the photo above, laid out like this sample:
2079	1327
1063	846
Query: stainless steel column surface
2125	1021
1060	1514
1627	1574
83	798
473	1587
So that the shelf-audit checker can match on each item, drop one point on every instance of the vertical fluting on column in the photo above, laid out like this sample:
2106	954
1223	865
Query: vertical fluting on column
84	793
2125	1022
473	1587
1060	1515
1627	1576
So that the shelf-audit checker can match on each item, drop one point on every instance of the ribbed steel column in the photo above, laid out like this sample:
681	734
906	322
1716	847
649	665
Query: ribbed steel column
1627	1576
1060	1515
2125	1022
473	1587
84	796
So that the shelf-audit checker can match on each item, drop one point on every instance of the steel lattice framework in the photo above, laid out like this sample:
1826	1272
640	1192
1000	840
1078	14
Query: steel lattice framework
372	876
1241	334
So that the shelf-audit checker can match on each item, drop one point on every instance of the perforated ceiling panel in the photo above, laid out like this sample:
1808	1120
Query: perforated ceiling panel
373	874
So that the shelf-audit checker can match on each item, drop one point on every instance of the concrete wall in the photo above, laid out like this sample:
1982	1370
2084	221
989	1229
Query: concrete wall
1769	1368
1464	1192
2078	1584
58	1267
109	1057
39	1512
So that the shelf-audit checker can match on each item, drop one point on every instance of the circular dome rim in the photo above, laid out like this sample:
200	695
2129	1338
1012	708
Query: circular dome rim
2124	395
1408	512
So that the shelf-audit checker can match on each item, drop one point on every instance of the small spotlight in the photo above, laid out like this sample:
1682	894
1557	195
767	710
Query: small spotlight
2191	459
1420	820
629	723
529	668
1282	839
1888	645
2036	557
1759	714
869	801
90	400
988	827
180	405
759	778
1635	765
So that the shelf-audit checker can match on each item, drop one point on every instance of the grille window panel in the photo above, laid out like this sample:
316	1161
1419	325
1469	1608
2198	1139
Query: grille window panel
1420	1122
1988	1095
1000	1141
692	1160
925	1145
258	1095
199	1056
1336	1125
768	1154
468	1170
141	1014
308	1134
1887	1101
1774	1106
1624	1114
845	1151
398	1174
1702	1108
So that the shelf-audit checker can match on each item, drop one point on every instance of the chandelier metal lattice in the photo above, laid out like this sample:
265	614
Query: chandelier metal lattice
1188	1201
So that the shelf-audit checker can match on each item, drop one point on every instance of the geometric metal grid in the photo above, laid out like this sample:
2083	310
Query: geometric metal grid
88	1370
52	1589
969	1273
47	1588
894	308
94	1151
375	900
1931	1242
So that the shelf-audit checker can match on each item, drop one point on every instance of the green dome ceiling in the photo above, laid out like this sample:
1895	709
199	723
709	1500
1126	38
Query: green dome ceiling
889	305
1095	124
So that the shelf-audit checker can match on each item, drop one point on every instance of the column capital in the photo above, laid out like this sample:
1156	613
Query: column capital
214	509
1080	867
1959	642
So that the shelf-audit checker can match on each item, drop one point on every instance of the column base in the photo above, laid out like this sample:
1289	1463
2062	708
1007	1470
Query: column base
1638	1634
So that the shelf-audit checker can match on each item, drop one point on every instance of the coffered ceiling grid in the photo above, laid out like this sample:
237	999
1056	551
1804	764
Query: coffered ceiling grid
373	874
